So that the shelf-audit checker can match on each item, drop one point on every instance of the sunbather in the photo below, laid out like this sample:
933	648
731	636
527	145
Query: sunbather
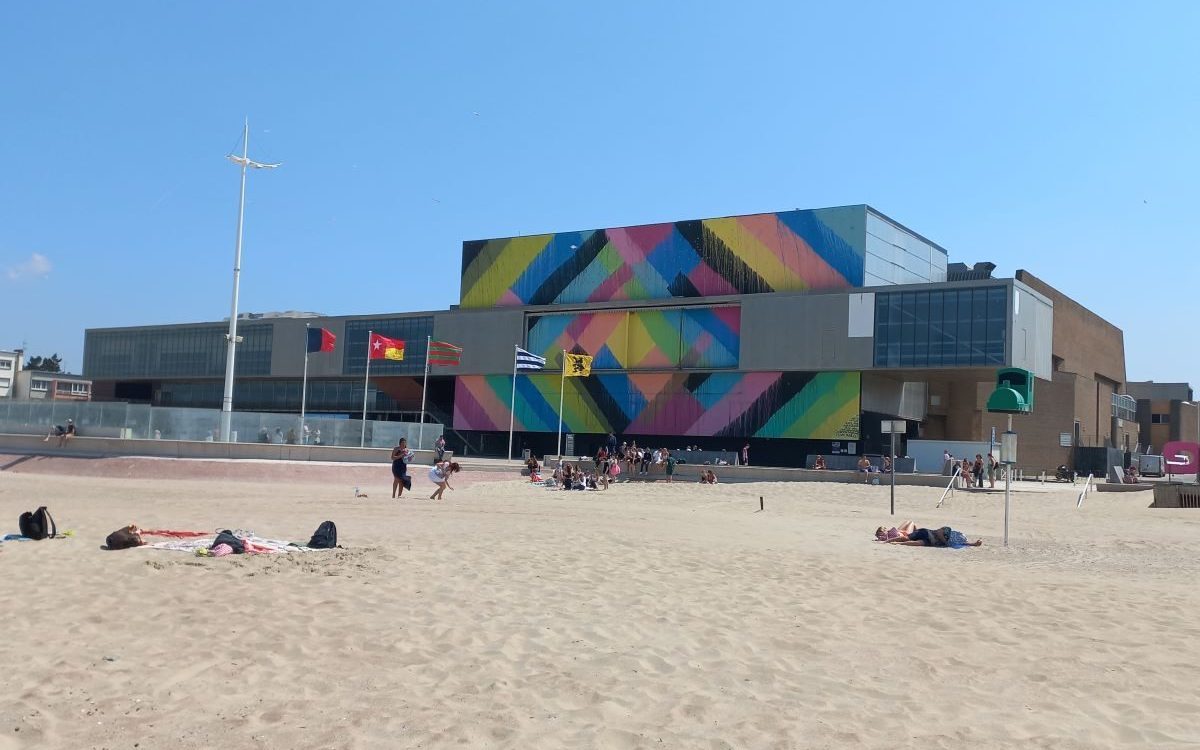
896	532
943	537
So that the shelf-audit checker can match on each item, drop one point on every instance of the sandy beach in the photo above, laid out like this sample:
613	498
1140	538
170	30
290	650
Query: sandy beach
650	615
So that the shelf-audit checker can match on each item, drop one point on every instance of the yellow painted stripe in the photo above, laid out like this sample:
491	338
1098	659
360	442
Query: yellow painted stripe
755	254
503	269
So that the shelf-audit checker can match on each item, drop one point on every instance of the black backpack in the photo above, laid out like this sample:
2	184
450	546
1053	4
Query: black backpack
325	537
38	525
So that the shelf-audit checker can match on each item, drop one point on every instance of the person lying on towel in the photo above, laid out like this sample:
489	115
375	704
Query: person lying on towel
943	537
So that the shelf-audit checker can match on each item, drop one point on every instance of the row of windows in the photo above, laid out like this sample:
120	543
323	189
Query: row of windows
411	330
197	351
941	328
276	395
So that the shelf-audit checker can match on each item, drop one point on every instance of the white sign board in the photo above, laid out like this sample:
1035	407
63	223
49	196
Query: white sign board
897	426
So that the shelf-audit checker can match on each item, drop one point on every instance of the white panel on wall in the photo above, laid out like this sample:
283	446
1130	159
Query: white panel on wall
861	315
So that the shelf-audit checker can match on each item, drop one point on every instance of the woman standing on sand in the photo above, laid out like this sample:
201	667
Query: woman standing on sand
401	481
440	475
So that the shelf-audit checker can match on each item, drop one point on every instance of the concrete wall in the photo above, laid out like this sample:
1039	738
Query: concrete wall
289	340
801	332
486	336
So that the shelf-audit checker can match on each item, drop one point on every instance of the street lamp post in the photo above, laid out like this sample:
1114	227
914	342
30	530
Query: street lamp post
231	338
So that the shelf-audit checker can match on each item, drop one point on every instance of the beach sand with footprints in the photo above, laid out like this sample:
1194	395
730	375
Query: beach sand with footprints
650	615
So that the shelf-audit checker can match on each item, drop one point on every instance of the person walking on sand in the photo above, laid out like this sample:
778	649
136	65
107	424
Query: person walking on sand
439	448
991	470
440	474
401	481
977	469
746	454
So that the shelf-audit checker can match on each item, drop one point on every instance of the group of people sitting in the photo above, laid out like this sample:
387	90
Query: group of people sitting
576	477
909	534
866	467
707	476
636	460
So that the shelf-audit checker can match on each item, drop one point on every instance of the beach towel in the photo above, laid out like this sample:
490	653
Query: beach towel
204	540
956	539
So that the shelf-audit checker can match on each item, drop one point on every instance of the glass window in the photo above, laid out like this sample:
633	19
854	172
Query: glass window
174	351
39	385
921	337
997	307
941	328
882	327
895	325
412	330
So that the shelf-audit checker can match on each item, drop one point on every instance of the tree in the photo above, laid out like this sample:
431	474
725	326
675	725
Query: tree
53	363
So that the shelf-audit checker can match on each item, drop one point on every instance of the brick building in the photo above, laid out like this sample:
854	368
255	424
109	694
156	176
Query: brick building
1165	412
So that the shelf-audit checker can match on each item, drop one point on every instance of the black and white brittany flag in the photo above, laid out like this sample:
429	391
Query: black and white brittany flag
529	360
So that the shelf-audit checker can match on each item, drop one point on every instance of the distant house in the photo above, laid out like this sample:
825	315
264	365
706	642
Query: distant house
10	365
53	386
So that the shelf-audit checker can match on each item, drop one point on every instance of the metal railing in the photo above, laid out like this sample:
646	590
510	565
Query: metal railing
145	422
1087	485
950	487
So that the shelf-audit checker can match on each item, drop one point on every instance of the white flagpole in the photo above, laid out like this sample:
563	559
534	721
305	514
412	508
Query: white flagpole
424	387
362	441
304	384
562	389
512	403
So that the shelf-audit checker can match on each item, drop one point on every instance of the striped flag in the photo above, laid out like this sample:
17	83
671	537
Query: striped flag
442	353
529	360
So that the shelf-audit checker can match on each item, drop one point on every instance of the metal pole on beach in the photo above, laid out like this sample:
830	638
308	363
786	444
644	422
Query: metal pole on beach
512	403
232	339
562	389
424	387
362	440
304	383
892	459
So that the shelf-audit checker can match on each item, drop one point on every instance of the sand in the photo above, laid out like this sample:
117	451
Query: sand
647	616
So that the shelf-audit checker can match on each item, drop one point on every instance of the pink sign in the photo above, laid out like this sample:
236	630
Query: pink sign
1182	457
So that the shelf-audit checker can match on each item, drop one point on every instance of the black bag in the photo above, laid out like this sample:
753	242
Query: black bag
38	525
325	537
227	537
124	538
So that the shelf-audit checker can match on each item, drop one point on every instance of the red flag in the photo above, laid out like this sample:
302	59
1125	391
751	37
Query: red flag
381	347
320	340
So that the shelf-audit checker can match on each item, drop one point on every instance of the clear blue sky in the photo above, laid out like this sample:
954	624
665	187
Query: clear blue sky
1056	137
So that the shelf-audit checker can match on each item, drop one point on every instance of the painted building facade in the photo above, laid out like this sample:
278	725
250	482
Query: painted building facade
797	330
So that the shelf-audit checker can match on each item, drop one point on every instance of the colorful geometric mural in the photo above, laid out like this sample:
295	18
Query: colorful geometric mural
760	404
642	339
785	251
